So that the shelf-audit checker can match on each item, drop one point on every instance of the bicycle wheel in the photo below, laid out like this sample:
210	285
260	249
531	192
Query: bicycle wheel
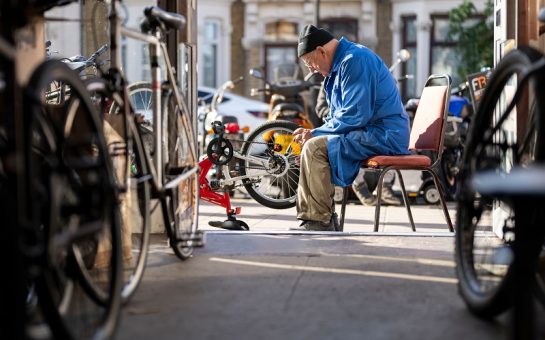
180	204
73	206
540	278
271	162
140	95
182	200
485	225
132	177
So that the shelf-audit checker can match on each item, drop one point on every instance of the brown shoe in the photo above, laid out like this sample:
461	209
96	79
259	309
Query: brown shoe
388	197
335	221
363	194
308	225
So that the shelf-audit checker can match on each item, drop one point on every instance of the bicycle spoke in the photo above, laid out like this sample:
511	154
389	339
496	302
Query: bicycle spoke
273	144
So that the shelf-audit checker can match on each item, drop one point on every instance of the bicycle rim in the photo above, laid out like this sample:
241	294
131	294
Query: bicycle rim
131	172
485	224
83	215
274	173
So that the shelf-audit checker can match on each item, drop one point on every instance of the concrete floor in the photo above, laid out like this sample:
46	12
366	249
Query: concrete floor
266	286
393	219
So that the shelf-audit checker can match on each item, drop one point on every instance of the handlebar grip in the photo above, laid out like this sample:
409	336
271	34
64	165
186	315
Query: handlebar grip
101	50
254	91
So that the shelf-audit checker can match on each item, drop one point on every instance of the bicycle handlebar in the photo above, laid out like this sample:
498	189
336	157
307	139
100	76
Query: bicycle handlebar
98	53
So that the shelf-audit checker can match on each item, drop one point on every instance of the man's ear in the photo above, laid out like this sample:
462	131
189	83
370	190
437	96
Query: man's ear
323	51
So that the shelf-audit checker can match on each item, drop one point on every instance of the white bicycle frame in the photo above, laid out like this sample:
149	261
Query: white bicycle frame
158	50
228	179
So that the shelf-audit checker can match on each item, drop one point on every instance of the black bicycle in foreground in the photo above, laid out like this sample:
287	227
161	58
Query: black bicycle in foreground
500	234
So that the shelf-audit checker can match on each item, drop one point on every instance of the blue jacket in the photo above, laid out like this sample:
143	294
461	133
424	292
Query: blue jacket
366	116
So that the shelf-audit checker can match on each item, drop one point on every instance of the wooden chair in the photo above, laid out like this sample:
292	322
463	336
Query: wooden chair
427	134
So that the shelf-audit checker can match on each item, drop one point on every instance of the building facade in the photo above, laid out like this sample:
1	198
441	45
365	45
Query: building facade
421	26
236	35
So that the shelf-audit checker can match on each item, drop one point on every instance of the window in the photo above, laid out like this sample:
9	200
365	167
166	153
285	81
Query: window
281	52
278	58
408	86
210	52
443	56
281	30
341	27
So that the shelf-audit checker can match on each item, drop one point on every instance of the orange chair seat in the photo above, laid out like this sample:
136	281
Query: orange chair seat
380	161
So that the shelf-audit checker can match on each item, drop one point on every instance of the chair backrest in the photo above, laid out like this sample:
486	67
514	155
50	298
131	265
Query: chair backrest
429	123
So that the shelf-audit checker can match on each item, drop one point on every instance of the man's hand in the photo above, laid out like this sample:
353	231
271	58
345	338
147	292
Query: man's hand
302	135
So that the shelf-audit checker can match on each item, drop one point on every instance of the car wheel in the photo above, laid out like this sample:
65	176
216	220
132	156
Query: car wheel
431	194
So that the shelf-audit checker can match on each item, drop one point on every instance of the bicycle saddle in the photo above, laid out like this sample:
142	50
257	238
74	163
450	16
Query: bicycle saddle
156	17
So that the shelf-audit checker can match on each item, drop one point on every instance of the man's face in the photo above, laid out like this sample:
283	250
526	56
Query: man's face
316	61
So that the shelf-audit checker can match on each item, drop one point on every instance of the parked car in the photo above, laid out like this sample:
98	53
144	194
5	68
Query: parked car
249	112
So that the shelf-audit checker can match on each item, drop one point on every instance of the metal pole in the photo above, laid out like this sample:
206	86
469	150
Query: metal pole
317	13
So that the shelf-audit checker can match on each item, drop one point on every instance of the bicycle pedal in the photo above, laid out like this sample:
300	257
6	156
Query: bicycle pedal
195	239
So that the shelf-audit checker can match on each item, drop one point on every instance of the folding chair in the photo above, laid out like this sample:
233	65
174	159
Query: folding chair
427	134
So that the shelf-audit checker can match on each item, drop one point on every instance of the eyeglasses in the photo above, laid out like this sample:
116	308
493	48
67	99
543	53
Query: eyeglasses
311	60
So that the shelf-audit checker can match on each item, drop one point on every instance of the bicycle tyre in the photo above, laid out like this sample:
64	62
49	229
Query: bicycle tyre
19	315
137	185
181	206
487	287
83	197
179	220
287	179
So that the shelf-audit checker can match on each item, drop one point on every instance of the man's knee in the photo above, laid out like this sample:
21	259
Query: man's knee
314	145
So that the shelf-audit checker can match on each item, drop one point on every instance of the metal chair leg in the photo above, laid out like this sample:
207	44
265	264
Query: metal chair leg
441	198
406	199
343	208
379	197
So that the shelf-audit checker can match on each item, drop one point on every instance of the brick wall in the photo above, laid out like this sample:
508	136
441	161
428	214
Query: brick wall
384	34
238	54
254	60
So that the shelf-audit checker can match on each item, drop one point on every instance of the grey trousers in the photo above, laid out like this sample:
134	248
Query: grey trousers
315	191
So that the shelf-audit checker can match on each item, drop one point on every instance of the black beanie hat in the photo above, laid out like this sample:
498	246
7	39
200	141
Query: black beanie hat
312	37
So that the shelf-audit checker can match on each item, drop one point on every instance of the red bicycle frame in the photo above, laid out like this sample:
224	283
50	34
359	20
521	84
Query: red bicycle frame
206	193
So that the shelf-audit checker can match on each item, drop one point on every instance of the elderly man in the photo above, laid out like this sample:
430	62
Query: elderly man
366	118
